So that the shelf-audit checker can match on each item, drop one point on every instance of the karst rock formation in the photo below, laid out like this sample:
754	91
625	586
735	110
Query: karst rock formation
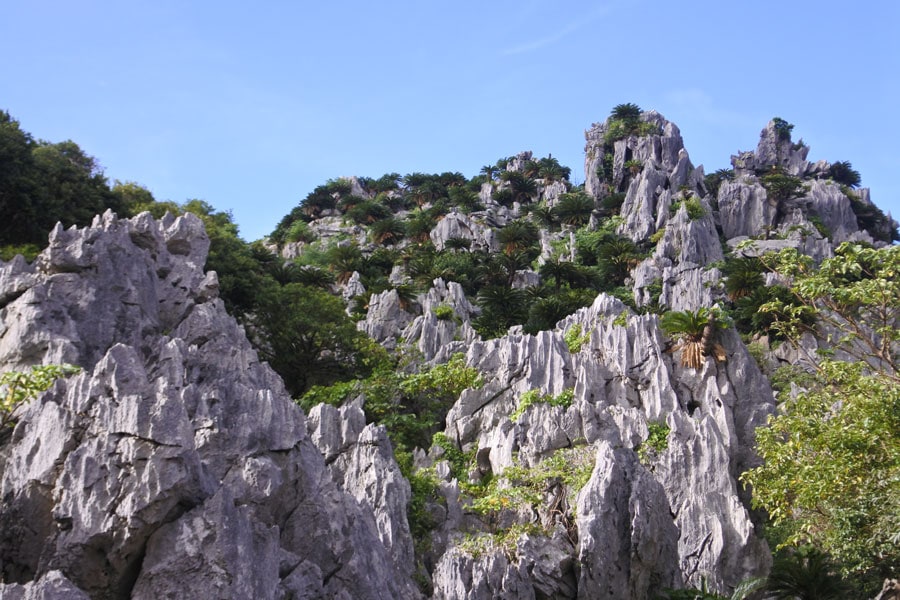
175	465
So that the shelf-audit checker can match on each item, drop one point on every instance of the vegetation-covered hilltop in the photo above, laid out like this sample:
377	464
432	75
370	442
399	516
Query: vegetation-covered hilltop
790	255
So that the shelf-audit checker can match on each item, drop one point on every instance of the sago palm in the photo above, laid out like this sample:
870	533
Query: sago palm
695	332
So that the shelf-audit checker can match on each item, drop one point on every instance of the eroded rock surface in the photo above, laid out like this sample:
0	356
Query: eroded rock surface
175	465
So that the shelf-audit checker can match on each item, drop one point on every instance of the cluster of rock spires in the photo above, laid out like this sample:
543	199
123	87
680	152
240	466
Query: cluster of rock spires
176	465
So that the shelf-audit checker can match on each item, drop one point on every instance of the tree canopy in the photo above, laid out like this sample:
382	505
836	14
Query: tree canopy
831	476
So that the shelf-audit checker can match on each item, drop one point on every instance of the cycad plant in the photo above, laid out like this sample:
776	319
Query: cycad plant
574	209
387	231
695	332
518	236
742	277
805	574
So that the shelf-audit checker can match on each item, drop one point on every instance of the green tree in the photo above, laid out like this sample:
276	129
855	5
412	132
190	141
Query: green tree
73	186
19	186
549	169
844	173
574	209
743	275
241	276
522	188
628	112
132	198
714	180
518	236
502	307
305	335
387	231
831	476
781	187
488	171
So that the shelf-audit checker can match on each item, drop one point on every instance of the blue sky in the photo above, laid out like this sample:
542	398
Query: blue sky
251	105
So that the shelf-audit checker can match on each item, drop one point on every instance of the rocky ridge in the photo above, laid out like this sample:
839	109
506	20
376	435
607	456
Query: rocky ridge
176	463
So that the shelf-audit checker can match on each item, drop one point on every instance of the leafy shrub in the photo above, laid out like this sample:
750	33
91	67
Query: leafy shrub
692	205
657	441
634	166
820	226
531	397
460	462
783	128
505	540
443	312
574	338
522	489
28	251
612	203
17	387
299	231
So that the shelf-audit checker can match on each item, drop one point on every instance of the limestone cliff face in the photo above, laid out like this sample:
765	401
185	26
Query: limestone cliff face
643	524
175	465
665	167
748	209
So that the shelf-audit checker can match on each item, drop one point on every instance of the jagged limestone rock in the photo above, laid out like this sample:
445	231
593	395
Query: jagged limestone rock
549	192
774	149
745	209
490	576
439	338
361	461
677	515
688	240
52	586
386	318
460	225
828	202
628	544
175	464
664	167
353	288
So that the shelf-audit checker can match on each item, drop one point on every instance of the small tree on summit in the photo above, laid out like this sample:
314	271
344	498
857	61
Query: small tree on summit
844	173
627	112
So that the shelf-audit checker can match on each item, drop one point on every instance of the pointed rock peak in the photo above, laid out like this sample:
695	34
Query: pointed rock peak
775	149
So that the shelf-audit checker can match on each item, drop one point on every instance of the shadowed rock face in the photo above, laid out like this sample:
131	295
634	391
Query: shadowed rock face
175	465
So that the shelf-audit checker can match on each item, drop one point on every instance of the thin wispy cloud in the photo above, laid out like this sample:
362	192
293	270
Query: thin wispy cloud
702	105
559	35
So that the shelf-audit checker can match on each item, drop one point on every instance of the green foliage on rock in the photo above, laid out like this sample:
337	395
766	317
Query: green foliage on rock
532	397
781	187
575	339
412	406
692	205
783	128
17	387
831	476
657	441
